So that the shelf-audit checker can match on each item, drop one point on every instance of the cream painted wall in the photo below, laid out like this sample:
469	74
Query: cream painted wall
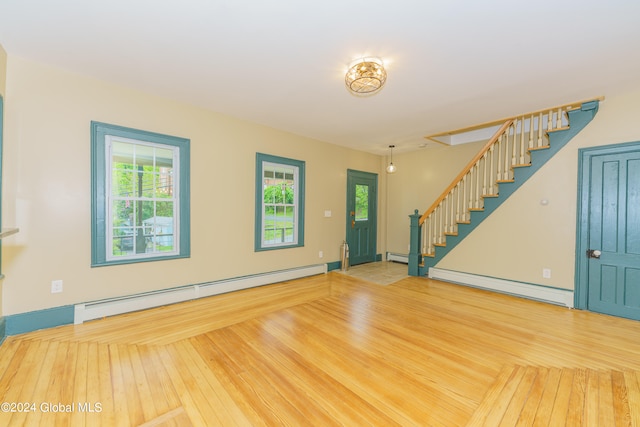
522	237
47	190
3	70
420	179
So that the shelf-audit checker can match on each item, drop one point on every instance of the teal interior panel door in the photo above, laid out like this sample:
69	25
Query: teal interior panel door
614	235
362	224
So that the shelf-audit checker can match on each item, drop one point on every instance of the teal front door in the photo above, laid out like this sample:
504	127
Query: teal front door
611	198
362	196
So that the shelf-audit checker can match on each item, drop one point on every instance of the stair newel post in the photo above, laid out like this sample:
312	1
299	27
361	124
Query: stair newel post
415	257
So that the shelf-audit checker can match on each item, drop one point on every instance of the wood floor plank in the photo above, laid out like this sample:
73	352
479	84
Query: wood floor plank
606	412
632	381
576	411
620	399
227	371
151	408
533	400
519	398
26	379
562	399
493	395
79	388
548	398
217	406
162	391
496	413
106	377
125	412
171	362
592	391
92	385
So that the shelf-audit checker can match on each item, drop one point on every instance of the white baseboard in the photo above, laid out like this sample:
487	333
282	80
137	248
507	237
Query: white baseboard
526	290
398	258
113	306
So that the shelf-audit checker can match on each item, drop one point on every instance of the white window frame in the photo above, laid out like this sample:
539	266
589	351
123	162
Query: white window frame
109	140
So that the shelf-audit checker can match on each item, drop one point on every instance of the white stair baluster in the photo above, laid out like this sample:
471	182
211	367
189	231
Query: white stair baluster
540	125
521	140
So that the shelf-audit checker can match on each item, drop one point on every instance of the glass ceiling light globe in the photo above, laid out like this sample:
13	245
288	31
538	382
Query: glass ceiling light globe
391	168
365	76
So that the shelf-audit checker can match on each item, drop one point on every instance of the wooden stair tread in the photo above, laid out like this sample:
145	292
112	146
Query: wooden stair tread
490	195
558	129
450	233
476	209
543	147
504	181
521	165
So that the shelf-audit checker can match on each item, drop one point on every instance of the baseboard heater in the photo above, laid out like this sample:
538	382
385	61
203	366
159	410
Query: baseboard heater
402	258
525	290
113	306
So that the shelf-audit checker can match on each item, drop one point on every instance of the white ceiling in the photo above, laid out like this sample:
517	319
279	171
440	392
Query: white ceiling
450	64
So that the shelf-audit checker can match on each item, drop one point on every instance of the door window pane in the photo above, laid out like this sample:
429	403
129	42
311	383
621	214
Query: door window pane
362	202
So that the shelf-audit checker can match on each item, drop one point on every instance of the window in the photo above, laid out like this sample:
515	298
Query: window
279	202
140	195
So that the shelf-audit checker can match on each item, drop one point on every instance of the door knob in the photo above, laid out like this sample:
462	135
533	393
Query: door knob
353	223
593	253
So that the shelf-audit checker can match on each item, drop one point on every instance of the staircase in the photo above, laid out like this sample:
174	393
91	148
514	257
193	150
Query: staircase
516	151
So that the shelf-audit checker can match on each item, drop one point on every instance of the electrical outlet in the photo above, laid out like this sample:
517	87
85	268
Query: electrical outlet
320	254
546	273
56	286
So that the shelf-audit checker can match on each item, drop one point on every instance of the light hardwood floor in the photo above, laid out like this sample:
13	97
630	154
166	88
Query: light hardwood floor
331	350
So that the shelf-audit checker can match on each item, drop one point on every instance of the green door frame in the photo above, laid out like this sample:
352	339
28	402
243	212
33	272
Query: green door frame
582	233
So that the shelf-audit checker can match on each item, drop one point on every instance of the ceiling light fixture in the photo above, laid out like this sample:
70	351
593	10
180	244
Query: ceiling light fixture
365	76
391	168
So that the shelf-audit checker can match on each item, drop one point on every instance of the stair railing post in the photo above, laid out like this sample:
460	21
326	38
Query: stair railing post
415	257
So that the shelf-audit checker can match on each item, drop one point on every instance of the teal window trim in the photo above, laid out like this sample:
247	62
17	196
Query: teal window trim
99	202
261	160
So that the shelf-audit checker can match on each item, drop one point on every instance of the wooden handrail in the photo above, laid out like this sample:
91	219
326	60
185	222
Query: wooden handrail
464	171
497	122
